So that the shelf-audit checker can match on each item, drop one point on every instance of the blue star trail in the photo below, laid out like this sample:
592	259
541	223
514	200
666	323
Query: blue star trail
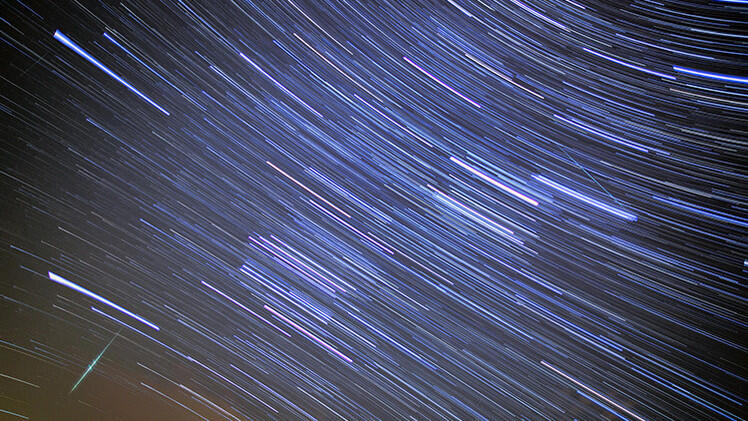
73	46
348	210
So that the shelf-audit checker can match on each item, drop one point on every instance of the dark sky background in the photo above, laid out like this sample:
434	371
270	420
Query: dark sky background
325	210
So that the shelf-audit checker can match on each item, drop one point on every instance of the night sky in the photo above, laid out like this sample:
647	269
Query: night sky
338	209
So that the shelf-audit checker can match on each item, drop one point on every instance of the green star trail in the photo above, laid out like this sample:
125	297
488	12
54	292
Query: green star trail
93	364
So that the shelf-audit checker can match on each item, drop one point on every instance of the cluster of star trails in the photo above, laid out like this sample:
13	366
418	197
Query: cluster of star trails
332	209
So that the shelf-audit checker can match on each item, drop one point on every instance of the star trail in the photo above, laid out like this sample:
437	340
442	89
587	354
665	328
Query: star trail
359	210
